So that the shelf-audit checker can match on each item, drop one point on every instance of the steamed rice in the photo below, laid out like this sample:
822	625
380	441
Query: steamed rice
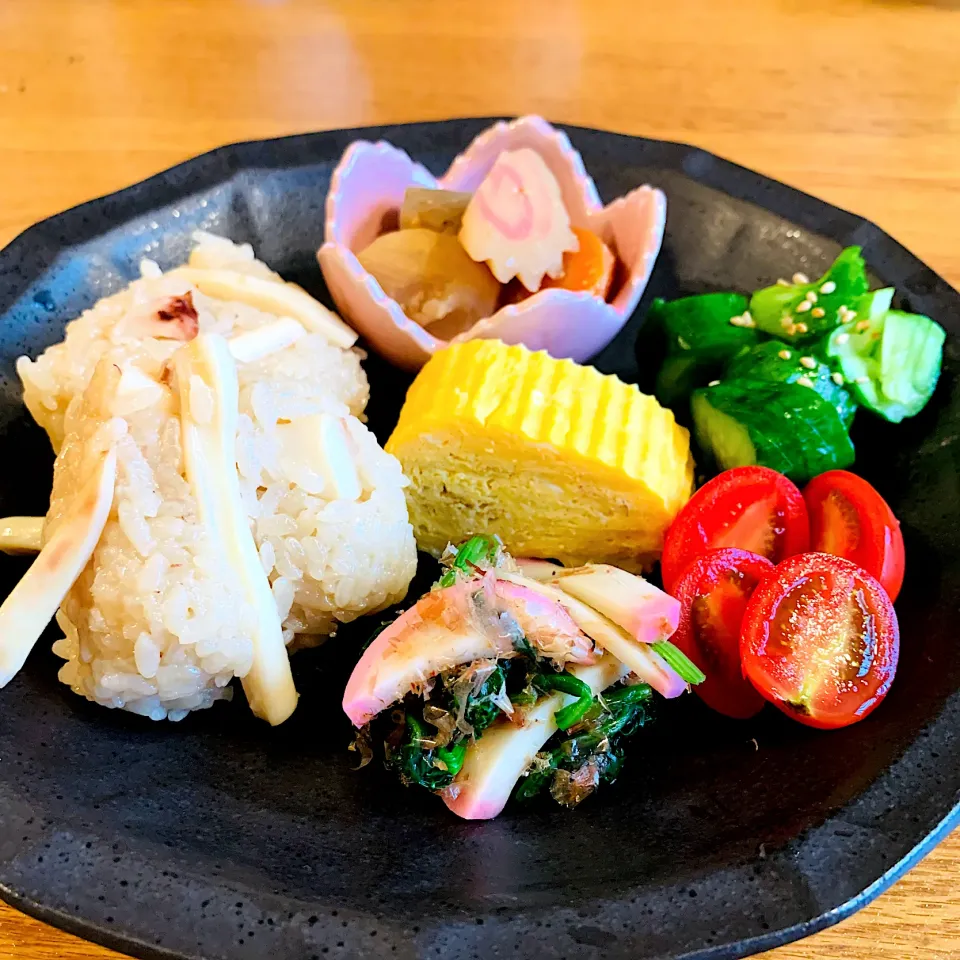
155	624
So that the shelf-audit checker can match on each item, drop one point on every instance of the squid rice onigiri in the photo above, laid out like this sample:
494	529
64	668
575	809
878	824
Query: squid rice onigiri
159	621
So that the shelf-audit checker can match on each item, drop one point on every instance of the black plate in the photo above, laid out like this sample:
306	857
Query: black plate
220	838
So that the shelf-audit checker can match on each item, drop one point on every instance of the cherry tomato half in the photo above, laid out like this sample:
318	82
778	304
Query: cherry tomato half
713	594
753	508
848	518
820	640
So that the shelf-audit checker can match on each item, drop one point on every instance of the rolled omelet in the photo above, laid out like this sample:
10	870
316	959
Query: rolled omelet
562	461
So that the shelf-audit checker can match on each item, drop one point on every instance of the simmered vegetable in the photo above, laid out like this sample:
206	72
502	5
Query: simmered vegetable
785	426
778	363
438	210
430	275
588	268
891	361
803	311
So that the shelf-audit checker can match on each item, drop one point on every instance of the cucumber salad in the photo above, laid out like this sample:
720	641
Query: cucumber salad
776	380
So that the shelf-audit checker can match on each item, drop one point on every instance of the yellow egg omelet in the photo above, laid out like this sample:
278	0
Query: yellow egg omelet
559	460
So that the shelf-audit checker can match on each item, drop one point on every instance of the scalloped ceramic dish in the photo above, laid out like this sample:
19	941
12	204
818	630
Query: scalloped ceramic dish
368	185
220	837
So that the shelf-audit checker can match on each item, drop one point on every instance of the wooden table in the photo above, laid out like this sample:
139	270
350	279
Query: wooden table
855	101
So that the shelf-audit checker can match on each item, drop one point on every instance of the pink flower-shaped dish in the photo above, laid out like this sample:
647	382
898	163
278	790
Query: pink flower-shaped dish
368	187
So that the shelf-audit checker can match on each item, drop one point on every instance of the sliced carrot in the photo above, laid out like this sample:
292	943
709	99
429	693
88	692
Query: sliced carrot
590	268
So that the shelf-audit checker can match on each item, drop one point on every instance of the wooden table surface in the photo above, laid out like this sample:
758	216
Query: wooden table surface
855	101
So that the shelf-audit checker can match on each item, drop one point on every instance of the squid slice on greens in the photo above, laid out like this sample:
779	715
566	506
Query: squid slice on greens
641	658
646	613
414	648
452	626
495	762
542	571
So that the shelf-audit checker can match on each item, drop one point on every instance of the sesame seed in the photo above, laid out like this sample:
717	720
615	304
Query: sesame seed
800	278
811	296
862	325
682	344
837	378
791	330
808	362
862	380
842	338
828	287
786	323
851	315
804	306
713	383
784	354
801	328
805	381
782	283
818	312
743	321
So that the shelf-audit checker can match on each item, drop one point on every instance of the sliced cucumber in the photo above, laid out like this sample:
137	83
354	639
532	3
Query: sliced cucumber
777	362
910	359
701	325
700	339
723	435
891	361
801	312
678	376
784	426
873	305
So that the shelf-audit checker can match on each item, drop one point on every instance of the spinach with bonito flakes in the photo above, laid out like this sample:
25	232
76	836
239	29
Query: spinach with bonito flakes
516	678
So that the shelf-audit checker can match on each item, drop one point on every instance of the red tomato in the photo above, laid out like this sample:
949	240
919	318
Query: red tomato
848	518
820	640
713	593
753	508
